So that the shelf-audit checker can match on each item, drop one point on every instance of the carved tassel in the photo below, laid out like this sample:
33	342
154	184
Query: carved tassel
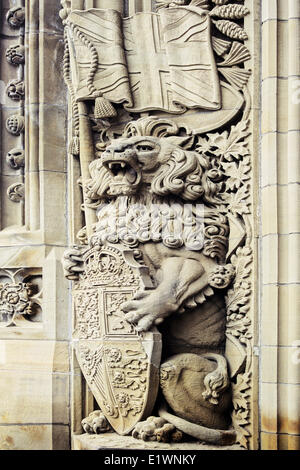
74	148
104	108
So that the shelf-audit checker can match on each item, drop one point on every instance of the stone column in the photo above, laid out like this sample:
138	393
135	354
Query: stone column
280	225
34	347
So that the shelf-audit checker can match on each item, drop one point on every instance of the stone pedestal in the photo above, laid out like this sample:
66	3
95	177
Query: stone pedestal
112	441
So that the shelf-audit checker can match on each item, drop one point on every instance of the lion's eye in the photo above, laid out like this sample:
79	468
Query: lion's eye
144	148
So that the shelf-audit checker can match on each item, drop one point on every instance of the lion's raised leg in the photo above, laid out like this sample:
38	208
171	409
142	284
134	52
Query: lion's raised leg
180	278
182	282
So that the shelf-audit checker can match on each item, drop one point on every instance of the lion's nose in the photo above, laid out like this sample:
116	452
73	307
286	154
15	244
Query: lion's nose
109	153
119	151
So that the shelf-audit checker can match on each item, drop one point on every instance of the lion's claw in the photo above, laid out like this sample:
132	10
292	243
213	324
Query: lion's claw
95	423
148	309
156	429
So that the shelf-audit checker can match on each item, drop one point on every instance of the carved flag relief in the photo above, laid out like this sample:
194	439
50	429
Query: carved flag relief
176	64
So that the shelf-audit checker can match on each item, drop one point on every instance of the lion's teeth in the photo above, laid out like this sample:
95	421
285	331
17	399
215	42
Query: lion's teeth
123	164
110	165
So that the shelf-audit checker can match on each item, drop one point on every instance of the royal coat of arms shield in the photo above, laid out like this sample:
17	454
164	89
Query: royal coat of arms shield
117	361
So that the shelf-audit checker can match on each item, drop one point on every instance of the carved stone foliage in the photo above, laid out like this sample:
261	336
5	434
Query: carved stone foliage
234	162
16	17
20	297
16	192
16	90
15	54
239	333
15	124
165	176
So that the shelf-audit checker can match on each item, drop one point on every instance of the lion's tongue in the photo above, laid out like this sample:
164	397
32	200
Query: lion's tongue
120	176
124	174
131	175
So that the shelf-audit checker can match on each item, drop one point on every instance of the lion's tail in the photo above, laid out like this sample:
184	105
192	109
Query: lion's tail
210	436
216	381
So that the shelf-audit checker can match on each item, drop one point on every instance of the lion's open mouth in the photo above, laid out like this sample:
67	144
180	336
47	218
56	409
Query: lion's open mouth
123	172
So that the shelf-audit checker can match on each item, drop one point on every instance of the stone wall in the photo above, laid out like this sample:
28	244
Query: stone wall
279	239
34	347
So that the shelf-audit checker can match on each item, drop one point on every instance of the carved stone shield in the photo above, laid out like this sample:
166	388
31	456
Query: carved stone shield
117	361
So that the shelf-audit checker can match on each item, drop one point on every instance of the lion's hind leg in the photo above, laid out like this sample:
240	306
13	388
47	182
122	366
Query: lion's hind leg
156	429
197	388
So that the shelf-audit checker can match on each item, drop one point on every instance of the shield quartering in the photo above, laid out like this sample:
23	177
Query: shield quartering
117	361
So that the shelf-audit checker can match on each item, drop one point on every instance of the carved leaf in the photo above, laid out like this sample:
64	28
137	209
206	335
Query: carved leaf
204	145
220	46
241	391
231	29
238	298
238	53
240	421
242	439
237	173
233	146
243	418
237	77
238	202
242	261
241	402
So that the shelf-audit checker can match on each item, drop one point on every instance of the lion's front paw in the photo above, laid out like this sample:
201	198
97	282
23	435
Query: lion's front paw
156	429
148	309
95	423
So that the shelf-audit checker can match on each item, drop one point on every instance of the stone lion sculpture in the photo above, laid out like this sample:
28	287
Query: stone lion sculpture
166	197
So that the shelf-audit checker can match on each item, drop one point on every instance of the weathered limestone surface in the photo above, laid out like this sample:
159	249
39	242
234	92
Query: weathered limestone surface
280	192
171	342
34	325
